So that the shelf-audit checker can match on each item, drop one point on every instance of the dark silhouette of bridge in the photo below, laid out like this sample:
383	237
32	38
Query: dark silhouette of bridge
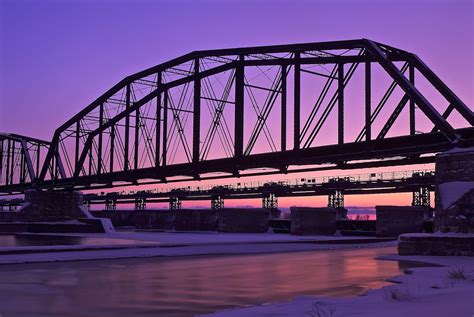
152	127
418	182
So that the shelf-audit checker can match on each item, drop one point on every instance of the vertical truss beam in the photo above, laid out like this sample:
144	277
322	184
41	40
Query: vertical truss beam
158	123
165	128
297	102
411	74
368	102
196	113
340	103
239	108
283	108
127	129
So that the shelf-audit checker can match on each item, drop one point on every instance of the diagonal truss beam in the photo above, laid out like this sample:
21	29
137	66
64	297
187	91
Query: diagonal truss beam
412	92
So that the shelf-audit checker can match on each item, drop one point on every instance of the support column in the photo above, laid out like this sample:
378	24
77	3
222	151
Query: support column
421	197
283	108
411	71
269	201
196	112
158	122
297	102
110	204
239	108
340	103
175	203
127	130
336	199
368	101
217	202
140	203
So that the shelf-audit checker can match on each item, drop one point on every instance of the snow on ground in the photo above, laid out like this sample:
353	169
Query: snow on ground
424	291
213	237
451	192
180	244
142	252
457	150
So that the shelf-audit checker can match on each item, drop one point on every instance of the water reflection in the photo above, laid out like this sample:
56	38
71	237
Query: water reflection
186	286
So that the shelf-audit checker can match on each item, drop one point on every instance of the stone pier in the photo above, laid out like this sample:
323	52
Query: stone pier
454	209
250	220
195	220
59	211
313	221
51	206
454	200
393	221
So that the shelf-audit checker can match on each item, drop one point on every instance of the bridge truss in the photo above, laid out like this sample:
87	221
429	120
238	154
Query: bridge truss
245	111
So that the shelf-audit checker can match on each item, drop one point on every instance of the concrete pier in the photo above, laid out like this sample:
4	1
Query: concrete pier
393	221
313	221
253	220
52	206
195	220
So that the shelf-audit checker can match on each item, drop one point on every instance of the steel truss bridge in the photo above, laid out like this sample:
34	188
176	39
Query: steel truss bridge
246	111
418	182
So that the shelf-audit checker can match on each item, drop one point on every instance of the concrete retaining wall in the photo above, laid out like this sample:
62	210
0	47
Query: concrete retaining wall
395	220
313	221
195	220
436	245
253	220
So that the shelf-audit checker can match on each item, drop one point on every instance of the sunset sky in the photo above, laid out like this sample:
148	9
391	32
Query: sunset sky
56	57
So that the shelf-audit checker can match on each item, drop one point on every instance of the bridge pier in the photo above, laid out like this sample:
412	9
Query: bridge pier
421	197
110	204
140	203
269	201
175	203
217	202
336	199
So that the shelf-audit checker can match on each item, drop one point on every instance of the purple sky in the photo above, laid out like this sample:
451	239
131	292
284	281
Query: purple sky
58	56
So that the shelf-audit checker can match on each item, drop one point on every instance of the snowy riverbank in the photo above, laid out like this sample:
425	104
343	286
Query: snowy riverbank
155	244
444	290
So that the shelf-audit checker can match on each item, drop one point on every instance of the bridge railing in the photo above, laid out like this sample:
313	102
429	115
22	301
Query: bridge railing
292	183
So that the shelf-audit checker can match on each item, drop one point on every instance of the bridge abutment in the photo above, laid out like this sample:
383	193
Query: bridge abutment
53	206
454	191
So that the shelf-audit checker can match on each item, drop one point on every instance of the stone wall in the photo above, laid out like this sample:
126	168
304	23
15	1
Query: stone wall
52	206
255	220
454	193
395	220
436	245
9	216
313	221
140	219
195	220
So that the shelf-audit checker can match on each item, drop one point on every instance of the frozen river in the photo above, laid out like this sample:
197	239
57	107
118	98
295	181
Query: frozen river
185	286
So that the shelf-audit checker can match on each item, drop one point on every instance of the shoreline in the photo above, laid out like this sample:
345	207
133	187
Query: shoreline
437	280
155	245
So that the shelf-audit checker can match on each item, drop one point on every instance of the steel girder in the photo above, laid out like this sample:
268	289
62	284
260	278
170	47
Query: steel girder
136	129
20	159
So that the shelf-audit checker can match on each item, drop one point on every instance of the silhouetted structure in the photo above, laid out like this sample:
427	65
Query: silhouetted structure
150	126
